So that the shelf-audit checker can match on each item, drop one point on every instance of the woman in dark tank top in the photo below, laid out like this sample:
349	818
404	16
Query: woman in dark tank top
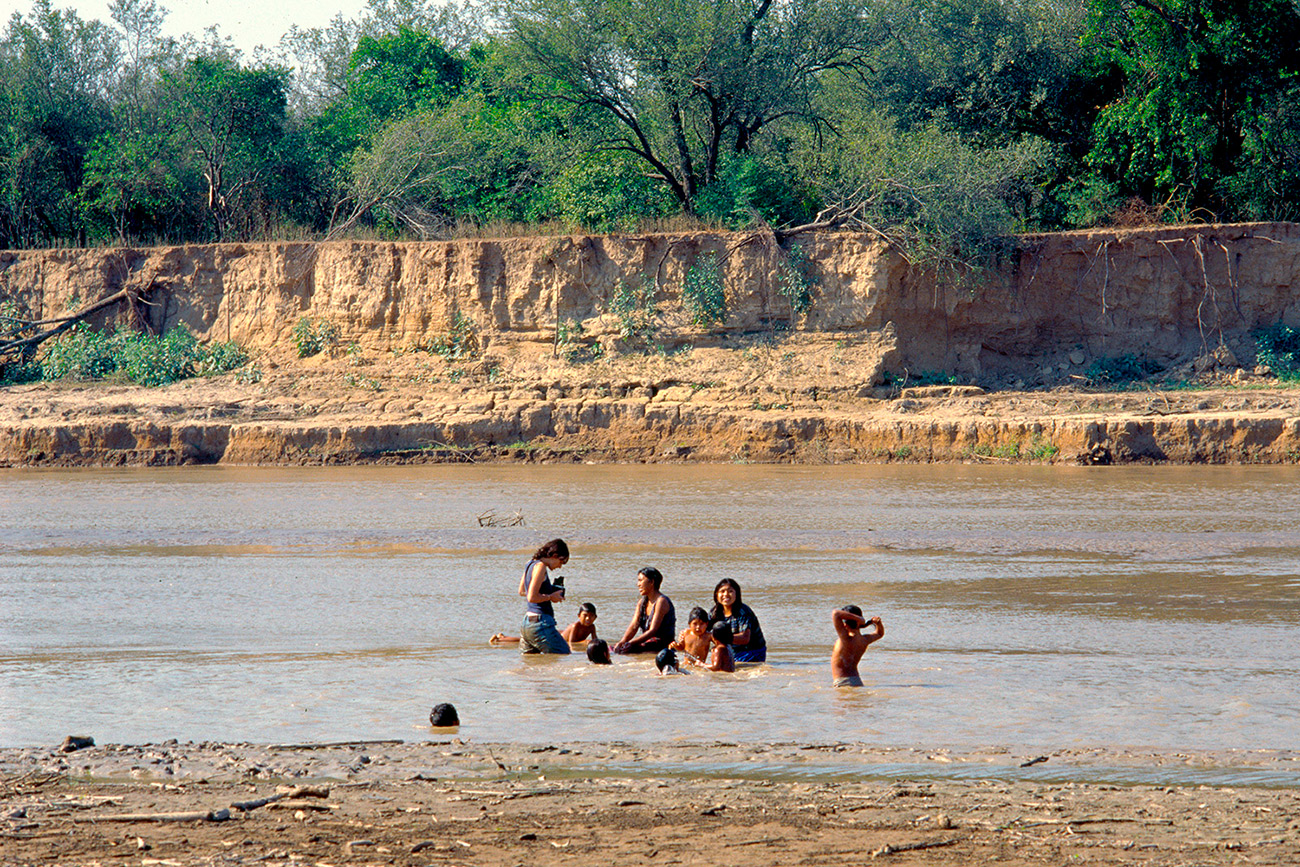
654	626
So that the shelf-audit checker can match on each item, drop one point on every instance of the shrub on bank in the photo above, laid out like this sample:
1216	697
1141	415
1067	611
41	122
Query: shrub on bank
86	354
1278	347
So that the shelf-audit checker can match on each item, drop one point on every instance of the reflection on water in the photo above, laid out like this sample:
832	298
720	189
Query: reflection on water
1025	607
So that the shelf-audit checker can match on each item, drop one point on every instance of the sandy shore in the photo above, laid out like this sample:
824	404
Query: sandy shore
448	801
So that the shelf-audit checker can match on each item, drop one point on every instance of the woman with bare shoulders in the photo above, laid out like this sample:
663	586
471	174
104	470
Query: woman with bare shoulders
538	633
654	626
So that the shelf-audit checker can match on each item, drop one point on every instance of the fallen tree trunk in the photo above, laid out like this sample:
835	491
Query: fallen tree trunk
24	345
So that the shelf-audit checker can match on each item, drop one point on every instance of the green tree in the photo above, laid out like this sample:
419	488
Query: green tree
1202	102
685	82
54	76
231	122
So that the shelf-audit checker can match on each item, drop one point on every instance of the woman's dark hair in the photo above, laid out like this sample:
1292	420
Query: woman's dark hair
717	613
598	652
656	578
721	632
698	613
553	549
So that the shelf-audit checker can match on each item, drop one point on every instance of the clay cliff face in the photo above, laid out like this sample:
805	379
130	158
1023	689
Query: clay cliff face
1165	293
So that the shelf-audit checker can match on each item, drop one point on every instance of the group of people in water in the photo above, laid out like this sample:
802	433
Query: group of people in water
713	640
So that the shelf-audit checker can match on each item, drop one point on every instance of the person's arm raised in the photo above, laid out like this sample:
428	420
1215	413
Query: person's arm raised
880	629
843	619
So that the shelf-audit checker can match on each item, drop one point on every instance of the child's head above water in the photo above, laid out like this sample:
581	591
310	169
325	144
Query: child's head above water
699	620
598	652
721	632
586	613
666	661
853	609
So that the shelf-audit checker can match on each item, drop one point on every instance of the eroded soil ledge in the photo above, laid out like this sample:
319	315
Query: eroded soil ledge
836	384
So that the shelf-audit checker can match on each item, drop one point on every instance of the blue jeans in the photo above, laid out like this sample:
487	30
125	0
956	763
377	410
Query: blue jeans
759	655
541	636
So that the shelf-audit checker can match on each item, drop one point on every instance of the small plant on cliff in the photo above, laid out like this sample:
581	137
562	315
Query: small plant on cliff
704	292
794	282
312	336
461	341
571	345
635	307
1278	347
1041	449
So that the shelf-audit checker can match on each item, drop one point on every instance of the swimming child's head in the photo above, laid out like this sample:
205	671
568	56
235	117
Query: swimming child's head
444	716
698	621
721	632
598	652
666	661
586	613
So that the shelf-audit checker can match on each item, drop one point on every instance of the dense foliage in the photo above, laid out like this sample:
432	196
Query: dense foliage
84	353
946	122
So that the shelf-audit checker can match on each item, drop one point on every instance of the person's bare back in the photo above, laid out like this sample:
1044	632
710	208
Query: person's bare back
851	643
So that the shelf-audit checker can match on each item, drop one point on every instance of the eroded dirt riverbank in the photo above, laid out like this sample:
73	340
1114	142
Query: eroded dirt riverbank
450	801
803	398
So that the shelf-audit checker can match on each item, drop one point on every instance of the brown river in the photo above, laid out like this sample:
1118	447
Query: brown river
1025	607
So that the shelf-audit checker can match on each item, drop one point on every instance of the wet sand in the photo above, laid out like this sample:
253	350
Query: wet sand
452	801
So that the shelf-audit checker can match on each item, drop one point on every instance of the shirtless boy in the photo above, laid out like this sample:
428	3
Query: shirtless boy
577	632
851	643
584	627
722	659
695	638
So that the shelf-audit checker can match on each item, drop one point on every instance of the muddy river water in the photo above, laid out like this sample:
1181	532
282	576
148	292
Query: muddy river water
1029	607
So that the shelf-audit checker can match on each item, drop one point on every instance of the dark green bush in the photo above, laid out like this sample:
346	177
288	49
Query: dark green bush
84	353
1278	346
1121	370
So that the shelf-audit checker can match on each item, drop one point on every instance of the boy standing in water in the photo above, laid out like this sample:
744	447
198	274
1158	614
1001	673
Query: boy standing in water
851	643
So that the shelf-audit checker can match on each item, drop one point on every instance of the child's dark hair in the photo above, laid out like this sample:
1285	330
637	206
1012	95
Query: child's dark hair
655	576
598	652
852	609
721	632
588	607
666	658
698	613
554	549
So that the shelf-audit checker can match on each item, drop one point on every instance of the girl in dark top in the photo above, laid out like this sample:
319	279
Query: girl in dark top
654	625
747	640
538	633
